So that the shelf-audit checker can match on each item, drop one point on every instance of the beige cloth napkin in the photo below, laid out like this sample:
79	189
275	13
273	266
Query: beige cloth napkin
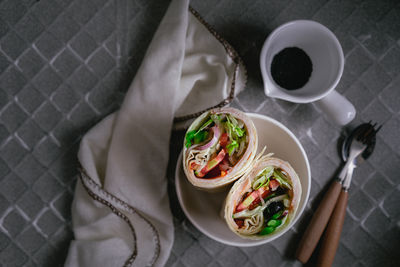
120	212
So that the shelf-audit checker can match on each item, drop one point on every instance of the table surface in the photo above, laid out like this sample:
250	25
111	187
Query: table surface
65	64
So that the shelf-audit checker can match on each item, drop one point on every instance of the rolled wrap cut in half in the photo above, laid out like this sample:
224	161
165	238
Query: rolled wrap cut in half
264	201
219	148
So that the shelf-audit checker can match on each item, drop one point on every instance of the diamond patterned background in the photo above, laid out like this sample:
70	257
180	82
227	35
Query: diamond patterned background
65	64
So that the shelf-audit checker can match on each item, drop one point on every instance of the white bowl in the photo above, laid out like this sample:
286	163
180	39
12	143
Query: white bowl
204	209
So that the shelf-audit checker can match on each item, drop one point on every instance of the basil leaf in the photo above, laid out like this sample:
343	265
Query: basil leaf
274	223
189	138
277	215
267	230
200	137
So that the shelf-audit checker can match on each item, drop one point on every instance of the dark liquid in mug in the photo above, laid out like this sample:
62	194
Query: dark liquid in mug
291	68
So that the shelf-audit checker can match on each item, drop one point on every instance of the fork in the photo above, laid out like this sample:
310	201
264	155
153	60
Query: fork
333	231
323	213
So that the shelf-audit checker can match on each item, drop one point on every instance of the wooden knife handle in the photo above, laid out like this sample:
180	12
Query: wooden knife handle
330	241
318	223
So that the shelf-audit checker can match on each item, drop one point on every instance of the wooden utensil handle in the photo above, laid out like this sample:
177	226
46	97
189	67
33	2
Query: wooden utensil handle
332	234
318	223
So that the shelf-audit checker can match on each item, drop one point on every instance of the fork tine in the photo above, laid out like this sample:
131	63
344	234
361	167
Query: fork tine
369	134
374	132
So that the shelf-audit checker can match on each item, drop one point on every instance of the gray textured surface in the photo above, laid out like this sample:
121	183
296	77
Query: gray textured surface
65	64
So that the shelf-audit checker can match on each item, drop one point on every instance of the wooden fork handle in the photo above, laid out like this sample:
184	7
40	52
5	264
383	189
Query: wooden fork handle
330	241
318	223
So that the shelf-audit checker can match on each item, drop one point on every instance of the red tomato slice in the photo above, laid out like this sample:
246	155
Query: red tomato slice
212	163
264	194
273	184
253	199
223	140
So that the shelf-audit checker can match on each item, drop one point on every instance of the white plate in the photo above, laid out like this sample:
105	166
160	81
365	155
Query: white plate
204	209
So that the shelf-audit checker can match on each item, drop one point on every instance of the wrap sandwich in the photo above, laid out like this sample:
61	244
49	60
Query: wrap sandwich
219	148
264	201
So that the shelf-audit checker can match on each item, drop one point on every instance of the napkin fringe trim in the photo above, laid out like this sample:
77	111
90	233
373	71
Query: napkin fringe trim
88	182
233	54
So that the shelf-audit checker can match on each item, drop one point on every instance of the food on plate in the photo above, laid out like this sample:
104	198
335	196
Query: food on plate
219	148
264	201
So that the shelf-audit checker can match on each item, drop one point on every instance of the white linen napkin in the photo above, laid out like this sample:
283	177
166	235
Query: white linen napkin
120	212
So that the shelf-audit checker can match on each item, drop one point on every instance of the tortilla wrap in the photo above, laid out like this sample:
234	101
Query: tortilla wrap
252	229
242	166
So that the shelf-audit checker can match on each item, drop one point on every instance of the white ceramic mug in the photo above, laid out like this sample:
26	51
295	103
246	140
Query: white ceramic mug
326	54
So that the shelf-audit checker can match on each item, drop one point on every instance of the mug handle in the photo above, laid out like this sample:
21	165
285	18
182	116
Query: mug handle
337	108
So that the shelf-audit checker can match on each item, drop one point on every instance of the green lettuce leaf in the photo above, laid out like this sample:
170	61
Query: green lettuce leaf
231	147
